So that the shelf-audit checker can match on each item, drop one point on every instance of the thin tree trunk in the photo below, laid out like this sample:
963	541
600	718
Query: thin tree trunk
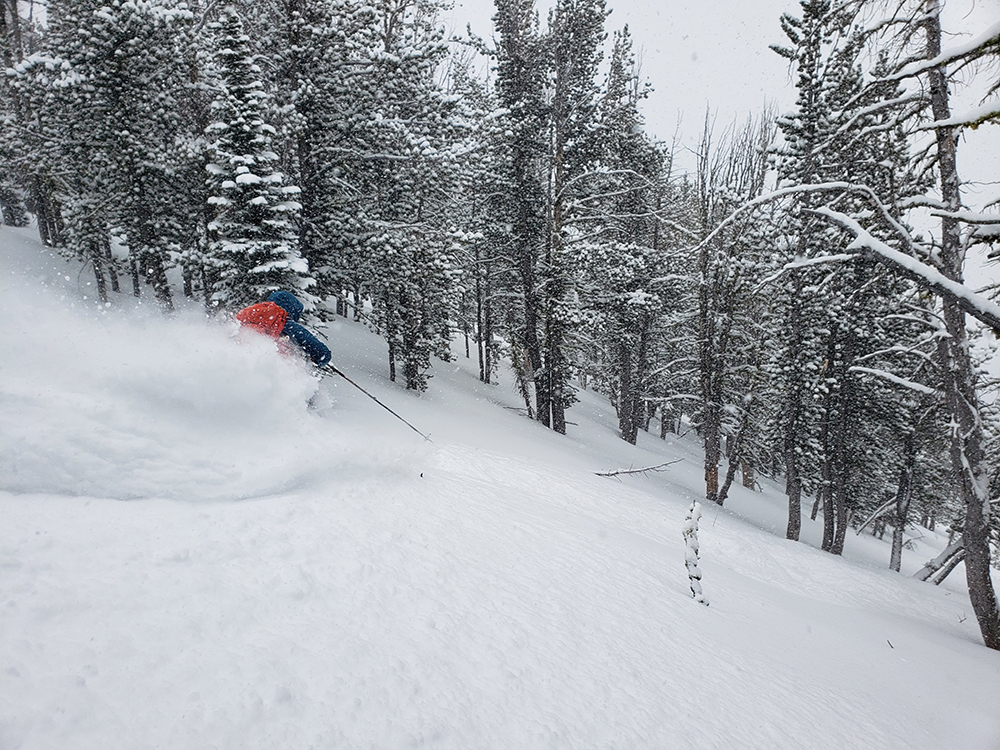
713	453
938	578
639	406
465	325
390	335
110	258
134	268
96	260
824	495
793	490
840	471
489	352
902	502
735	450
186	276
792	426
626	400
479	320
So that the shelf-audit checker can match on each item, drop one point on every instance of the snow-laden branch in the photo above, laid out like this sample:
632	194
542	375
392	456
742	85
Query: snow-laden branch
976	305
968	217
807	262
877	514
872	109
912	385
972	48
897	349
774	195
973	118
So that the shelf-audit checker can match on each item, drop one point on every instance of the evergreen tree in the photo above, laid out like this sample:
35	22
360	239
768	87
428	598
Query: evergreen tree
253	248
105	113
624	260
409	270
13	30
520	156
730	265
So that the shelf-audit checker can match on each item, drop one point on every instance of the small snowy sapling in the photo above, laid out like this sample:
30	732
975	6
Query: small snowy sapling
691	552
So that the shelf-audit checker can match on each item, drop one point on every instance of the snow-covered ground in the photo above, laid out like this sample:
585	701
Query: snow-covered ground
189	558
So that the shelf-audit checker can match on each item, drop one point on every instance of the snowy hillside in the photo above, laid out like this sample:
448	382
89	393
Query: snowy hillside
189	558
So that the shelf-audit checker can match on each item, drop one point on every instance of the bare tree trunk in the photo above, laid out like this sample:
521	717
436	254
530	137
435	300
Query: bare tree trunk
932	566
188	280
793	490
735	451
96	260
713	453
110	258
151	258
483	370
824	495
903	497
134	268
390	335
792	424
626	401
938	578
487	332
465	325
840	470
640	407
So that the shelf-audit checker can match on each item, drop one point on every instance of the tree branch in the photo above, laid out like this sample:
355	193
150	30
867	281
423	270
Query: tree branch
620	472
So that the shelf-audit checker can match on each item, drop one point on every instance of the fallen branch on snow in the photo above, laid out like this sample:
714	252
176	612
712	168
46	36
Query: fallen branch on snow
620	472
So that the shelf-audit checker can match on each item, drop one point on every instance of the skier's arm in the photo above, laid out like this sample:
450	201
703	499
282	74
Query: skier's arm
315	349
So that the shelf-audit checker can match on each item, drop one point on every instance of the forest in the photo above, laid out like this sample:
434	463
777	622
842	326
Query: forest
797	298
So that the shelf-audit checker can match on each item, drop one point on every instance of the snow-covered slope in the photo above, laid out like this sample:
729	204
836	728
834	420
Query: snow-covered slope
190	558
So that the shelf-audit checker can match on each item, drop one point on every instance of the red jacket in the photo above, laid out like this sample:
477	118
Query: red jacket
264	317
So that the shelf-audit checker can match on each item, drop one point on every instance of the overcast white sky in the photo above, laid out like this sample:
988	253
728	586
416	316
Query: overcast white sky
713	54
696	54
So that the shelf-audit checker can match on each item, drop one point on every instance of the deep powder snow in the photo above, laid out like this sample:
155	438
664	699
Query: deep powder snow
190	558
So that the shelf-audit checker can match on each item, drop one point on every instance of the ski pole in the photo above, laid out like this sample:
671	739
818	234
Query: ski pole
338	372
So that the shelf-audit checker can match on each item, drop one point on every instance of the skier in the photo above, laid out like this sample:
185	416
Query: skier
277	318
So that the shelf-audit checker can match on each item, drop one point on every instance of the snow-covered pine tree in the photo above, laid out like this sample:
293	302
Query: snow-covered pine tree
135	63
623	302
13	210
917	40
253	246
731	263
107	116
575	48
409	175
796	353
520	159
967	446
34	142
325	99
477	237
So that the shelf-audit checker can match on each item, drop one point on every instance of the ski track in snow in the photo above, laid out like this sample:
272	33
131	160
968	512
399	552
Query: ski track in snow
190	559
